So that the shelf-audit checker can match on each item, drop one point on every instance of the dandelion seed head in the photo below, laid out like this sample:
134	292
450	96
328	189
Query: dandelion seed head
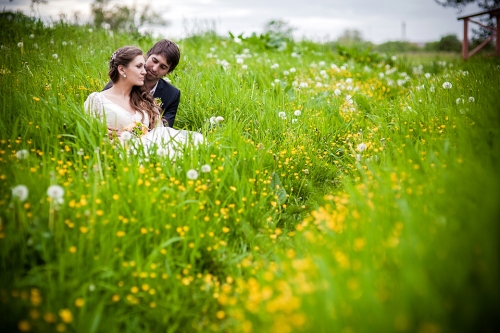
361	147
126	136
297	113
20	192
205	168
192	174
447	85
22	154
55	192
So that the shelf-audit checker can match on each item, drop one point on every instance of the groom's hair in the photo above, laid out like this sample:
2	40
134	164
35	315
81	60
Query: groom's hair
169	50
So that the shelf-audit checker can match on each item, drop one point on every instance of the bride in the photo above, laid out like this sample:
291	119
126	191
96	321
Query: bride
128	109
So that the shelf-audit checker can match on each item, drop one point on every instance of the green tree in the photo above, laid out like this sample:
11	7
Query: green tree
110	14
350	37
482	33
449	43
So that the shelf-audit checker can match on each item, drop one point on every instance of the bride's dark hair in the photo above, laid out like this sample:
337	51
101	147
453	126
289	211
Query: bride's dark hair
140	99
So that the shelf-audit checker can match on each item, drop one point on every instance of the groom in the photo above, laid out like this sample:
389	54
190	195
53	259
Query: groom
161	60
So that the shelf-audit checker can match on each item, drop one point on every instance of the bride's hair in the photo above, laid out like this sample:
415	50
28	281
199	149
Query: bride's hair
140	99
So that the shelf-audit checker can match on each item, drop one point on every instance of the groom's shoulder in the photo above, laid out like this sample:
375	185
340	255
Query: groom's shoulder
167	85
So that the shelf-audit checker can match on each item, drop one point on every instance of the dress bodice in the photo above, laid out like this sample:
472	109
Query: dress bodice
114	115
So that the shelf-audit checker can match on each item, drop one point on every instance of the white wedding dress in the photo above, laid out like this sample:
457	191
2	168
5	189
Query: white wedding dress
162	140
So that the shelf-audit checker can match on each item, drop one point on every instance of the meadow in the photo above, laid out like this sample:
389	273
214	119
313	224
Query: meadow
336	192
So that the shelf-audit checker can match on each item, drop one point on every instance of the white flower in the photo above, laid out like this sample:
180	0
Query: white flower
319	84
432	88
303	84
80	152
294	55
32	36
205	168
394	58
348	80
213	120
239	60
275	66
20	44
292	70
64	43
91	30
297	113
55	192
282	115
358	157
361	147
55	56
471	99
447	85
427	75
192	174
35	45
20	192
337	92
219	119
285	72
22	154
459	100
244	67
294	121
125	136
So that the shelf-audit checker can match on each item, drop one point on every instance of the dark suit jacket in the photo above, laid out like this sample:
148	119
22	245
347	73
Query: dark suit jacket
170	98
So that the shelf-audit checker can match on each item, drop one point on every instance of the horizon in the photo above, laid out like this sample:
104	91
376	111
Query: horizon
414	21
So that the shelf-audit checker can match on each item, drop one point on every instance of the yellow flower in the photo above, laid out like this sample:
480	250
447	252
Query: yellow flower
36	99
66	315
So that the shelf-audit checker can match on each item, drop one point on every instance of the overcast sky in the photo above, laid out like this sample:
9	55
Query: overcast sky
377	20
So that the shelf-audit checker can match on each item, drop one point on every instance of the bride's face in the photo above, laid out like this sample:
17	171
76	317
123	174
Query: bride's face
135	71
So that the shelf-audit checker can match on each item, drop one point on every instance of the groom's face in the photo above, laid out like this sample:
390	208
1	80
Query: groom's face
156	67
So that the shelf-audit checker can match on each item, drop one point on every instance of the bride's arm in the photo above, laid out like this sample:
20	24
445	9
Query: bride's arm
93	105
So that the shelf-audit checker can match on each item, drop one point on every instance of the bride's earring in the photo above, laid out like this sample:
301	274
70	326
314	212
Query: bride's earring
124	75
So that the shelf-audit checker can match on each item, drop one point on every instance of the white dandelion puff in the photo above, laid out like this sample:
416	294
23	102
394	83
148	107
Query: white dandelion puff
20	192
297	113
447	85
161	152
55	192
205	168
282	115
125	136
361	147
22	154
192	174
471	99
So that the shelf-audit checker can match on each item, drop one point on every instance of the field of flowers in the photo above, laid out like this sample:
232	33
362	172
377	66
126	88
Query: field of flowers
337	191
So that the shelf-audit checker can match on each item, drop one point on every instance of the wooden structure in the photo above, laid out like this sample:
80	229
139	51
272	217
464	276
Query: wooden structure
495	32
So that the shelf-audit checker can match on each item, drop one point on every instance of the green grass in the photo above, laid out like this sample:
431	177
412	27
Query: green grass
374	213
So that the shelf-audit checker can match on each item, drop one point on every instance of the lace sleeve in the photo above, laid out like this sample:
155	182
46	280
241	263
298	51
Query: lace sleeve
93	105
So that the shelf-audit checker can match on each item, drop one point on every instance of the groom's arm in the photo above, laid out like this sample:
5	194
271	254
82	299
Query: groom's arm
171	110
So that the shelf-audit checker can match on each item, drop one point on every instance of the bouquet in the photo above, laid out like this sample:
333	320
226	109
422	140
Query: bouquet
136	128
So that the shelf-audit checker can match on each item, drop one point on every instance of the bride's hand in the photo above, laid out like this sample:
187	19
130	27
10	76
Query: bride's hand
114	133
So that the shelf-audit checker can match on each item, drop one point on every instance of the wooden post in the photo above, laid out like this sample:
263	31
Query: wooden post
497	37
465	42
